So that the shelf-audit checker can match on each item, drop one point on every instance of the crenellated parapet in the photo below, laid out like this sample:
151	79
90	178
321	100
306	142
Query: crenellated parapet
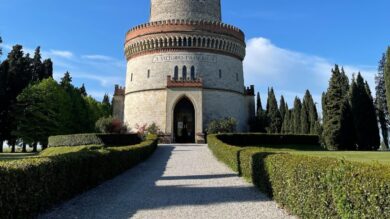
119	90
187	35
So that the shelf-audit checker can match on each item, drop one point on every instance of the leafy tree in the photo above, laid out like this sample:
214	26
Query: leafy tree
296	117
110	125
273	114
381	102
338	124
42	110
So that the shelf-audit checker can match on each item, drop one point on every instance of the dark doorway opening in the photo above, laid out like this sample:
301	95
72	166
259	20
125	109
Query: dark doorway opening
184	121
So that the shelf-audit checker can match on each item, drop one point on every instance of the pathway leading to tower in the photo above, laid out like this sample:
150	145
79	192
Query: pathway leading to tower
178	181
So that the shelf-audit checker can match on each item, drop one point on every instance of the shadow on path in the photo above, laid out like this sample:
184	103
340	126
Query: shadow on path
146	187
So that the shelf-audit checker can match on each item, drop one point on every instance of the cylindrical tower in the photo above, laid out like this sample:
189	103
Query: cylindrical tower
209	10
185	54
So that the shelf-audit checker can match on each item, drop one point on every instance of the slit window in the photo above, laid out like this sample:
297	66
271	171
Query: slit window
149	73
220	73
236	76
131	77
176	73
192	73
184	72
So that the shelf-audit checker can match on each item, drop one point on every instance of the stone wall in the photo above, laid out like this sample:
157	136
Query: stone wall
185	9
208	66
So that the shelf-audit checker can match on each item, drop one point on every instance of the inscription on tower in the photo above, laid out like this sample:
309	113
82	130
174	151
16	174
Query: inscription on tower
185	58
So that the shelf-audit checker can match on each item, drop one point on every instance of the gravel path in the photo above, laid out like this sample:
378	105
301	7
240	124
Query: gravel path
178	181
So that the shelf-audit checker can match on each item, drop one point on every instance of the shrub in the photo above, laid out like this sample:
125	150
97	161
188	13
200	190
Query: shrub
94	139
153	129
226	125
312	187
35	184
110	125
269	139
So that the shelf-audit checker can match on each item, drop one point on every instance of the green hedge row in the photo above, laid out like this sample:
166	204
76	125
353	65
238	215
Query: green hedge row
94	139
30	186
312	187
269	139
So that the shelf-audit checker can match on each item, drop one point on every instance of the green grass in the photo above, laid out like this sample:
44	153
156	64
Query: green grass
15	156
382	157
53	151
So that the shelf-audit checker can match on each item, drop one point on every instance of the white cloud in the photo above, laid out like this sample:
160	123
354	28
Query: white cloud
97	57
60	53
292	72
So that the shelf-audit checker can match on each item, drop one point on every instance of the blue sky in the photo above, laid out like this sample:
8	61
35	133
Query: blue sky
291	44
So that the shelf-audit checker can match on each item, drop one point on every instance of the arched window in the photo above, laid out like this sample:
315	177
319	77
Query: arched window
176	73
184	73
192	73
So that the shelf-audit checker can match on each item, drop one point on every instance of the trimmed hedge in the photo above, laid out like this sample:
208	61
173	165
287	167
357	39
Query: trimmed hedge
94	139
30	186
312	187
269	139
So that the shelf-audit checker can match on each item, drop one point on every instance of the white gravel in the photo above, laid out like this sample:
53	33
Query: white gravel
178	181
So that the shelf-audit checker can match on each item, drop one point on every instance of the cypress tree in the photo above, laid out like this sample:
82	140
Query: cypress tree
381	102
1	49
364	116
273	114
258	103
312	114
338	124
282	107
47	69
387	76
305	123
83	91
37	66
286	126
296	126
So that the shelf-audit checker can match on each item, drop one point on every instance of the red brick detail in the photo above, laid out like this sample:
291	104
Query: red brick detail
149	52
171	83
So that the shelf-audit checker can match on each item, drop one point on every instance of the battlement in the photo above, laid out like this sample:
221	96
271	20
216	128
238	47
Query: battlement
204	23
250	91
119	90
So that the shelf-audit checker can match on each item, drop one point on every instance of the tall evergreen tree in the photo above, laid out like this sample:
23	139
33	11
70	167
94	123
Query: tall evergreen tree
282	108
273	114
311	111
381	102
37	66
1	49
47	69
83	91
364	116
258	103
286	126
305	121
261	119
387	76
338	124
296	117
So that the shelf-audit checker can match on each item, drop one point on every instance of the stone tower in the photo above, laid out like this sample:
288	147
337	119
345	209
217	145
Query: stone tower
184	69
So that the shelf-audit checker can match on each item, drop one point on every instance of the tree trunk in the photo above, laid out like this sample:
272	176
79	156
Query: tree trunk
13	146
1	145
44	146
35	147
24	150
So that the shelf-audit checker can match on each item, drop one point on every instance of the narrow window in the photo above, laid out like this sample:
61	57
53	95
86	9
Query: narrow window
184	73
148	73
192	73
220	73
237	76
131	77
176	73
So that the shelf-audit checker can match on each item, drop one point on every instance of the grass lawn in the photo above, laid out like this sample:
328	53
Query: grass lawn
382	157
15	156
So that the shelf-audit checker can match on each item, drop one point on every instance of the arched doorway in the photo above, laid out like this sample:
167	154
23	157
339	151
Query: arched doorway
184	121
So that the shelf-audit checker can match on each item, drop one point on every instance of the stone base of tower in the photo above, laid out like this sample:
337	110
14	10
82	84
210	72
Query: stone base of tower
162	107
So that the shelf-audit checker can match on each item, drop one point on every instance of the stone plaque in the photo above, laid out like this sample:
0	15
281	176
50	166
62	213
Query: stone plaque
185	58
